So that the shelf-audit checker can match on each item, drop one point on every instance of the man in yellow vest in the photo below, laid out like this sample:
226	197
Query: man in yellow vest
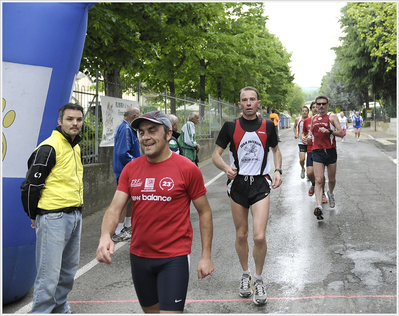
52	196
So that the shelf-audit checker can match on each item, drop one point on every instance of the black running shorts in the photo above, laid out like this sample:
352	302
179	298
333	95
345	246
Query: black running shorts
163	281
247	190
303	148
309	159
325	156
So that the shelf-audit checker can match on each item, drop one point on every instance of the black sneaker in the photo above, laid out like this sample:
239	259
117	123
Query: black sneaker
318	213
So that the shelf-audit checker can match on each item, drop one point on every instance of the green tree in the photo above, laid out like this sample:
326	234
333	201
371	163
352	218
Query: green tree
115	43
367	57
341	96
187	48
311	93
250	56
295	100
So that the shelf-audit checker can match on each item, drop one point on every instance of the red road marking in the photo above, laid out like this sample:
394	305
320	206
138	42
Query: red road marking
246	299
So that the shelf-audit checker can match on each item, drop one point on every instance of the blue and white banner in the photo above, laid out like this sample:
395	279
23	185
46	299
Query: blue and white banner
42	48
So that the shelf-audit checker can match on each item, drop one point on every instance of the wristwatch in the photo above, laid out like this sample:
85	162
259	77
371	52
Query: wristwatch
330	130
279	170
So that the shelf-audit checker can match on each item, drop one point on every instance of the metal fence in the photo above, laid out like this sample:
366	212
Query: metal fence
376	114
212	113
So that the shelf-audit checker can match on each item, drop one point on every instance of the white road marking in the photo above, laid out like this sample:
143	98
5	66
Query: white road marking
27	308
214	179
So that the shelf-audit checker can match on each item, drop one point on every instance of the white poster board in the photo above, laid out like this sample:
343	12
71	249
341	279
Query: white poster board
24	96
112	111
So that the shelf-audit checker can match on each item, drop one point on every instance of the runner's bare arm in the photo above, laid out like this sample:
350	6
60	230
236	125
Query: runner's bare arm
278	161
295	128
219	163
205	265
338	129
106	246
304	135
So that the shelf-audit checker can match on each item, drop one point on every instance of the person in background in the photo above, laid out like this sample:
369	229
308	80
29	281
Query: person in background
161	185
274	117
174	142
343	121
249	184
307	139
324	128
188	144
52	196
126	149
357	124
298	127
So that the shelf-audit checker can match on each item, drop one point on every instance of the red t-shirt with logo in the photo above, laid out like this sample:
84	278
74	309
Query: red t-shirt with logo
161	194
323	140
306	128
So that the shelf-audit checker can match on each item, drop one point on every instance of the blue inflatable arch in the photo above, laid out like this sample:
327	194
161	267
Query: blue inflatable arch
42	50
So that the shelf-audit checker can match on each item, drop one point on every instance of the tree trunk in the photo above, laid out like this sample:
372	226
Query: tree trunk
113	83
219	88
172	90
202	87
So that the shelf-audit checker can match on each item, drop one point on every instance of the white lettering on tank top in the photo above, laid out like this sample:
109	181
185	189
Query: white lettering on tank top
250	154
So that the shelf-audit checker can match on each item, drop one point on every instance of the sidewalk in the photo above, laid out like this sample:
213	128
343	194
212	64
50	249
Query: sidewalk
371	133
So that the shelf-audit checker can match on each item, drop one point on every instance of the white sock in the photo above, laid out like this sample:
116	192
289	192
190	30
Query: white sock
258	277
247	272
128	221
119	229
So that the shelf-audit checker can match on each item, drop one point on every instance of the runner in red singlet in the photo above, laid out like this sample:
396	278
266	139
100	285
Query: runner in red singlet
307	139
325	127
298	127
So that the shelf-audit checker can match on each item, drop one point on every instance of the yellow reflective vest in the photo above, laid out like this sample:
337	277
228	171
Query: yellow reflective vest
64	184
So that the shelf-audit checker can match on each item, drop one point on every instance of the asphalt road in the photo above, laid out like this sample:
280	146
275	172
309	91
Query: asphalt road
344	264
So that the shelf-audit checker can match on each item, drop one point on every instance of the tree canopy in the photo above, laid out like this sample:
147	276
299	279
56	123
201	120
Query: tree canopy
366	61
189	48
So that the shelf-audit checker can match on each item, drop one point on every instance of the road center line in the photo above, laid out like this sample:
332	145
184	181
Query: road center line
214	179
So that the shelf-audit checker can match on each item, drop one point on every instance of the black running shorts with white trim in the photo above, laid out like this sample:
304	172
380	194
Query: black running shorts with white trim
325	156
163	281
303	148
247	190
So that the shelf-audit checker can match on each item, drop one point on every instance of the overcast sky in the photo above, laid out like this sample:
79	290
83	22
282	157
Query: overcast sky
307	29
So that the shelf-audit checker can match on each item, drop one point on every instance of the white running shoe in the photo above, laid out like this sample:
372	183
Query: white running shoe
331	199
260	296
246	287
123	236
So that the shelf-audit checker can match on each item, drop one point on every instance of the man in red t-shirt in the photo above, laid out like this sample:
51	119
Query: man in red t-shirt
325	127
161	185
307	139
